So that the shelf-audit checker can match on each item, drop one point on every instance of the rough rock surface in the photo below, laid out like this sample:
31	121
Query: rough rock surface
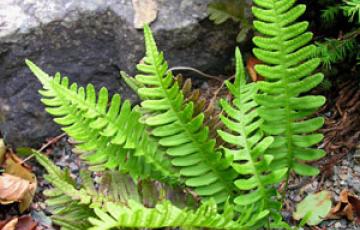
90	41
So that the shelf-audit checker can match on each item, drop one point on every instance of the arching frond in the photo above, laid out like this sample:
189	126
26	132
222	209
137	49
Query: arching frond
109	133
183	135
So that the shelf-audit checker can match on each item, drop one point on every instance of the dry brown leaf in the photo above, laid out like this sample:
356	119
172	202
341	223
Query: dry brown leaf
145	12
250	66
348	206
13	165
12	188
25	179
11	225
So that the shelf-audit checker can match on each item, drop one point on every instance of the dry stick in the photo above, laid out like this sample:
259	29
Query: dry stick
52	141
196	71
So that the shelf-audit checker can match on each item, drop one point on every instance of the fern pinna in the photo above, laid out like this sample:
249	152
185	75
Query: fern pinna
109	136
287	68
184	136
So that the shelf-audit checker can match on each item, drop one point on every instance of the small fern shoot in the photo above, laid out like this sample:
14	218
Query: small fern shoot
287	69
177	130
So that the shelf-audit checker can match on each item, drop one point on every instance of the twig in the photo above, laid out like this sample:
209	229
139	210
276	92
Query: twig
196	71
52	141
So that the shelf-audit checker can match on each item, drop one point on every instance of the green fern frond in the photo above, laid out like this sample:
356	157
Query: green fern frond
69	206
182	134
288	63
165	214
243	124
72	205
109	136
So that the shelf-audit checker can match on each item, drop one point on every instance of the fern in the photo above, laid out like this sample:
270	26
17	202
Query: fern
243	123
288	64
167	215
116	204
183	136
110	136
68	205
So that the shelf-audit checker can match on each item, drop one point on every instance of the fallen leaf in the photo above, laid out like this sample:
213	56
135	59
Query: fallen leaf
12	188
2	151
318	204
14	166
145	12
250	66
11	225
348	206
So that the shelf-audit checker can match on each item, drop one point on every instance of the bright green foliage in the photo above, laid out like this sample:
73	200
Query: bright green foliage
243	123
287	69
89	208
267	133
111	135
183	136
165	214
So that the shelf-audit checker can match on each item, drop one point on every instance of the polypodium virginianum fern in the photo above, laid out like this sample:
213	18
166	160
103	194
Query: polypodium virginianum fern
182	134
111	135
286	69
242	121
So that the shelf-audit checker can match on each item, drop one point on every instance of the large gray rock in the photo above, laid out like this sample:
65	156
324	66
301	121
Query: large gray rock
90	41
